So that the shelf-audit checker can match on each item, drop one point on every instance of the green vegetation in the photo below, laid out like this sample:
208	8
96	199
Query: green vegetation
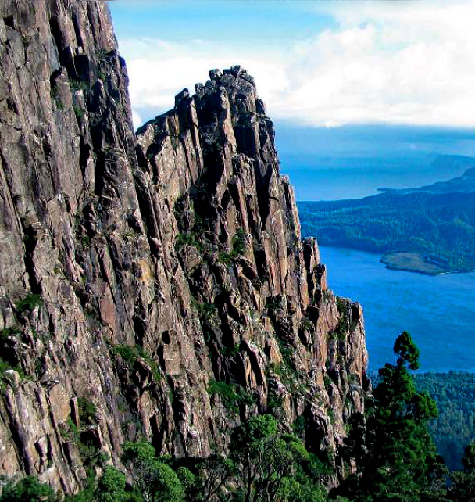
273	466
411	262
306	324
153	479
70	431
5	333
28	304
230	351
188	239
130	354
398	461
4	367
78	111
87	443
112	486
233	396
238	248
287	371
274	405
239	242
55	98
454	428
198	237
395	456
27	489
78	85
438	229
463	482
87	411
274	303
265	464
299	426
206	311
341	330
401	463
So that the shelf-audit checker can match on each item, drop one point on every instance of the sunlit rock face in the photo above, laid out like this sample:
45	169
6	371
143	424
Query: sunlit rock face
138	271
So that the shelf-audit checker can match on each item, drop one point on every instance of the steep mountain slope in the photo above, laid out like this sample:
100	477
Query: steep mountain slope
155	285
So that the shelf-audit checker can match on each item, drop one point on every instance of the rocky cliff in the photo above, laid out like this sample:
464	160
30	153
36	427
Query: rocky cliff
155	284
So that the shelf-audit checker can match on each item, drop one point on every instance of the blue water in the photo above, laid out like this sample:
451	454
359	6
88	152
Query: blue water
354	161
331	178
438	311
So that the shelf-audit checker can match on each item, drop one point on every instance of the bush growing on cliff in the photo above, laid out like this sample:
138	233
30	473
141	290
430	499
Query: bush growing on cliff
27	489
87	411
239	243
232	395
131	353
238	248
273	466
27	304
154	480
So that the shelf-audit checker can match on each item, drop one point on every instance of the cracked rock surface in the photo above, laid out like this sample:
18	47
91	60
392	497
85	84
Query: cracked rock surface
136	271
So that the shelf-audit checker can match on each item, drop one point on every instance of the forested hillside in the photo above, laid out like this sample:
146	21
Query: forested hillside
453	429
440	228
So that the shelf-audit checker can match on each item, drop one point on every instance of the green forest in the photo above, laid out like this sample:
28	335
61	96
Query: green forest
390	453
453	429
440	227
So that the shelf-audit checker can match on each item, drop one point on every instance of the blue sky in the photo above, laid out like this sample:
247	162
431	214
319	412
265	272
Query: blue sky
241	21
318	63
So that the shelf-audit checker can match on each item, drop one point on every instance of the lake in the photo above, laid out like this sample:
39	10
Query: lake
353	162
439	311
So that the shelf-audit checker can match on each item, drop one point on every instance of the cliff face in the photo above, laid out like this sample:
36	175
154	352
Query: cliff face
155	285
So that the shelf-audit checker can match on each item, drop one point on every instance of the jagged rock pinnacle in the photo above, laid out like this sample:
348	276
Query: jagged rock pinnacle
135	270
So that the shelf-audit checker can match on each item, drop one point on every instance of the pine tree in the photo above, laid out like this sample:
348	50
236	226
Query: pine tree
401	464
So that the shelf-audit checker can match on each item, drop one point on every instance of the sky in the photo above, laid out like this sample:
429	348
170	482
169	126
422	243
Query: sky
316	63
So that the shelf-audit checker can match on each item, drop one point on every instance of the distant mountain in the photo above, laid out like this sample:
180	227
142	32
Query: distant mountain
464	183
430	229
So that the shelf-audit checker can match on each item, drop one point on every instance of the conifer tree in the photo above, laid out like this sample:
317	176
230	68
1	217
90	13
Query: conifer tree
401	464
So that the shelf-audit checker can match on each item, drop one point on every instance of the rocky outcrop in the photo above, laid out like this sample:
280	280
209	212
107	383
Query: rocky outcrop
157	284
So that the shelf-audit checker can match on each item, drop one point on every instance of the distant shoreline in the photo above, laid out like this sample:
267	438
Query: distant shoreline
414	231
396	263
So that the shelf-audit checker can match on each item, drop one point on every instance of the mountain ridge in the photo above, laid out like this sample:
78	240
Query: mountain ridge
463	183
156	286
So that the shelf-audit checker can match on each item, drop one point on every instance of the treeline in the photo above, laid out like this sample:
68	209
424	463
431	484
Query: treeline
389	456
438	226
265	463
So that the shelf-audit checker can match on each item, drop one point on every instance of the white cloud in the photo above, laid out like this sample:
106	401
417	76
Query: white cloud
136	119
413	63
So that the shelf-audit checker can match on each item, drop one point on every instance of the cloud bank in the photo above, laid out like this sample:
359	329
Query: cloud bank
380	63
